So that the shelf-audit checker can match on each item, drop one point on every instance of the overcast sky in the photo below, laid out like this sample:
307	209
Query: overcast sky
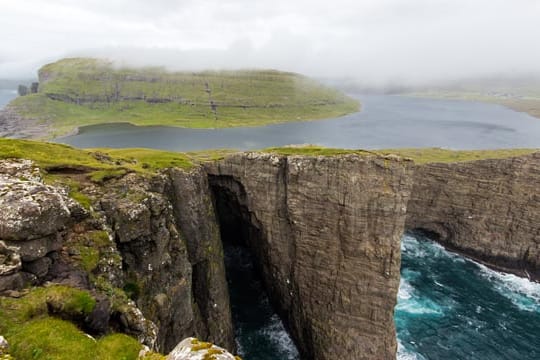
375	41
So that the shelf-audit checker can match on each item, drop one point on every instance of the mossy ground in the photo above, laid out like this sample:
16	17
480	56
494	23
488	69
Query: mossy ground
34	332
98	165
79	91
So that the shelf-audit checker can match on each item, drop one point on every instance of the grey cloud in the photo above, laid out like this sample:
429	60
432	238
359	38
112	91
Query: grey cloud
373	41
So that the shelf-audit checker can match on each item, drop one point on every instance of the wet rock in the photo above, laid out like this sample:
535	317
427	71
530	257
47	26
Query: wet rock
193	349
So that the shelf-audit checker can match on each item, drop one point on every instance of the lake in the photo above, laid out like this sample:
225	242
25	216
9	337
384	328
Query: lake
384	122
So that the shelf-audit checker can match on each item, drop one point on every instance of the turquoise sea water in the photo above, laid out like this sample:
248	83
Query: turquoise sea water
448	308
453	308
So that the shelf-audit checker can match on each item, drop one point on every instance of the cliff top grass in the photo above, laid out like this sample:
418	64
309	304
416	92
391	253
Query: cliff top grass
418	155
81	91
437	155
101	164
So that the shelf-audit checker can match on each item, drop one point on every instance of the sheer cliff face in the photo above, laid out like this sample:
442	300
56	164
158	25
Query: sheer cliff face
487	209
326	232
168	237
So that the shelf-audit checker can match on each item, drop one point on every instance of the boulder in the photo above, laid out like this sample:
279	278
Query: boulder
193	349
30	209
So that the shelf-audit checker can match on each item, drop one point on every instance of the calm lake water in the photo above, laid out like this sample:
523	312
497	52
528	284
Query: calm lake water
384	122
6	95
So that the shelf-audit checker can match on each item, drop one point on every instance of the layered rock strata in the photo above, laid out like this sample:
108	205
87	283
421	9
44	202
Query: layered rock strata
326	233
487	209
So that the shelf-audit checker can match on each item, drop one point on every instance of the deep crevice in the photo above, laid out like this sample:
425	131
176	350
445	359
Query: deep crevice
259	332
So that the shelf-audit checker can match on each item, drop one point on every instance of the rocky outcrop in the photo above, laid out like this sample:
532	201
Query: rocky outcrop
168	238
326	233
32	219
487	209
193	349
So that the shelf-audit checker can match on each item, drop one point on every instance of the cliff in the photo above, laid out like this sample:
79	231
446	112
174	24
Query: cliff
326	233
486	209
81	91
131	241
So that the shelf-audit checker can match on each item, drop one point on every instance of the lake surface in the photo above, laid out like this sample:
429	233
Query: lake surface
384	122
6	95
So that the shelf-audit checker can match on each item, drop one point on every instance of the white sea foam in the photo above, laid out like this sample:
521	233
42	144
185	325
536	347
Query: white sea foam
275	331
405	289
406	354
523	293
419	306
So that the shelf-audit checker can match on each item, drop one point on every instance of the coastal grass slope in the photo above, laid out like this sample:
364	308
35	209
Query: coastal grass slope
82	91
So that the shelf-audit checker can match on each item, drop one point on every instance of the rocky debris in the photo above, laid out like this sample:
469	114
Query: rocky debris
193	349
326	232
487	209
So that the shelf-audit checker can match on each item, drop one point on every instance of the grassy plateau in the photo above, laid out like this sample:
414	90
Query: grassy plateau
81	91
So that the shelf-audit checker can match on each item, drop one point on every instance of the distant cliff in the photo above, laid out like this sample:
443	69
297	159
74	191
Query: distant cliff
132	241
81	91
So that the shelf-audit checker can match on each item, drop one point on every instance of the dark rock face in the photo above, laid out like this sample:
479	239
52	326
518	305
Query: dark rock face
486	209
168	238
326	232
196	219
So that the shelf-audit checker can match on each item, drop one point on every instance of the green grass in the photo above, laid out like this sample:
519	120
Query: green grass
437	155
51	338
81	91
312	150
34	333
101	164
40	301
419	155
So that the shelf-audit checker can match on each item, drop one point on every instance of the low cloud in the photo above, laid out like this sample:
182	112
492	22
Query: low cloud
375	42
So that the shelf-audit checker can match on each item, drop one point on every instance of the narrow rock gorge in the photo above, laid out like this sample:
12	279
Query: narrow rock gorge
324	230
